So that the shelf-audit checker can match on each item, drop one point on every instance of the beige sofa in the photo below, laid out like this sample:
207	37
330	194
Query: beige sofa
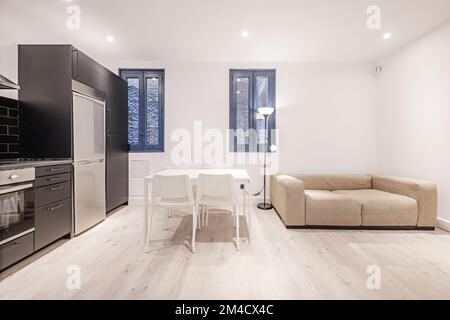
360	201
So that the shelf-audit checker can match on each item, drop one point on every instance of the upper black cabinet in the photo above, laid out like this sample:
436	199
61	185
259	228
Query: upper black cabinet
45	74
89	72
117	106
45	101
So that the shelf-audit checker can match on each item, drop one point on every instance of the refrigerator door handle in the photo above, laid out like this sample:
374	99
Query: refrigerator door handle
90	161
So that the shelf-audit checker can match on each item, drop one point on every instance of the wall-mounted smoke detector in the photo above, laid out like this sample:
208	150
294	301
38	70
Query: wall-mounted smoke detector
378	70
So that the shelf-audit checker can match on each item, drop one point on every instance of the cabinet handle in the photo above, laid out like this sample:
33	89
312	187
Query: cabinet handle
55	169
55	188
55	179
55	207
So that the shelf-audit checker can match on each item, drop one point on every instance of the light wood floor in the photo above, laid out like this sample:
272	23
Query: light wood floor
276	264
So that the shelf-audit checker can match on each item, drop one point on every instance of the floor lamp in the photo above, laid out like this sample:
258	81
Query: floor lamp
266	112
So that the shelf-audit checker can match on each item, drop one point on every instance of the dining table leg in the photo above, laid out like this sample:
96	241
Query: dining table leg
244	194
245	209
145	210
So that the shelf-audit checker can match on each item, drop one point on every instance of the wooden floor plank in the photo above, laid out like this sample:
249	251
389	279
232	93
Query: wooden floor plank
276	264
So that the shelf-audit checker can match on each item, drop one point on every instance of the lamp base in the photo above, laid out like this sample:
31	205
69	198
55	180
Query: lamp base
264	206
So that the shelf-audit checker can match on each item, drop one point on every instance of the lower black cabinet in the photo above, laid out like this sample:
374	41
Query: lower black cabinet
53	204
52	222
16	250
46	181
52	170
51	194
52	214
116	171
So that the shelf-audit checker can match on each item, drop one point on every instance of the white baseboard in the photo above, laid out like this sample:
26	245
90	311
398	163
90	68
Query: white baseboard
443	224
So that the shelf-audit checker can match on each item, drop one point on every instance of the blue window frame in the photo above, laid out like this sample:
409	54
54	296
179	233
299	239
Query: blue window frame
250	90
145	109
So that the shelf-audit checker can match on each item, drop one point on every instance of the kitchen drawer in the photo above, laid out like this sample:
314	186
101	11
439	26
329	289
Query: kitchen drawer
16	250
48	180
52	222
50	194
46	171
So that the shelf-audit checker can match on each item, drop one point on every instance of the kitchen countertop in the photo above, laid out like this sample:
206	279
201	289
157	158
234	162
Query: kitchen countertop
11	165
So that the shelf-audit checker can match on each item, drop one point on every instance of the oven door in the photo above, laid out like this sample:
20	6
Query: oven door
16	211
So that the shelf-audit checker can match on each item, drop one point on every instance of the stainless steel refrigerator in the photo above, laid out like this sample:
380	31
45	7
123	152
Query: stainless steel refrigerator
88	161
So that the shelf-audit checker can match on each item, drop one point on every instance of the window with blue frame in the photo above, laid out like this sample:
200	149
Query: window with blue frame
145	109
250	90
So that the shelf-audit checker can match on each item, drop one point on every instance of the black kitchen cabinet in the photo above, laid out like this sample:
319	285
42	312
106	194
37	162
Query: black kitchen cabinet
16	250
52	222
45	101
53	204
117	106
116	142
116	171
51	194
47	75
58	178
87	71
45	172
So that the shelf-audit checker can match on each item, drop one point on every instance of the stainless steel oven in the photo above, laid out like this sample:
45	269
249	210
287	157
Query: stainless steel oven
16	203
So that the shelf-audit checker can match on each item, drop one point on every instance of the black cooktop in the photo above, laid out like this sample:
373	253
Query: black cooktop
20	160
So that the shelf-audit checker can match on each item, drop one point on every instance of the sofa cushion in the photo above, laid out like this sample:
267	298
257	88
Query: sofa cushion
335	182
325	208
383	209
424	192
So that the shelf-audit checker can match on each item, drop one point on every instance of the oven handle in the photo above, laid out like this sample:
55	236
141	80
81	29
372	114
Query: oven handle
16	188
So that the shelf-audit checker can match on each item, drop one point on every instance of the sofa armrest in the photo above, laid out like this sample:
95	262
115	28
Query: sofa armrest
288	197
424	192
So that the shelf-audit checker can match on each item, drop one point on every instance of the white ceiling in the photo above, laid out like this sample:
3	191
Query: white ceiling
210	30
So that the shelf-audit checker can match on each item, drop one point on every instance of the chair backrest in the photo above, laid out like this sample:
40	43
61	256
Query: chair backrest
172	187
217	186
187	166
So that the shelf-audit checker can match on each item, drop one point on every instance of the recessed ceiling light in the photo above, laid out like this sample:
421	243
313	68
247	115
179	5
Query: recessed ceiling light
244	34
387	36
110	39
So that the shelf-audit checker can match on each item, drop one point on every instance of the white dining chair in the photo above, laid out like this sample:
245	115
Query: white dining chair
217	190
172	192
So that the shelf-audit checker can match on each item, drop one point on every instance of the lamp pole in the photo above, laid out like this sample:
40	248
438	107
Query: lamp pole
265	205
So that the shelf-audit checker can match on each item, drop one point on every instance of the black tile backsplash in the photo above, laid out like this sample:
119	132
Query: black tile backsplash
9	128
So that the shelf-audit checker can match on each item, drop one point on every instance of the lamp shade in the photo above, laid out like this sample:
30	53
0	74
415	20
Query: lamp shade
266	111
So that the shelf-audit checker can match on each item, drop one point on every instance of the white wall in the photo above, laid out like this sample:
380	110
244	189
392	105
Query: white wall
325	115
8	64
414	113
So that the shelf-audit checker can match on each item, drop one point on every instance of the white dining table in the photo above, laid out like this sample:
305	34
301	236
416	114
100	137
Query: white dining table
240	176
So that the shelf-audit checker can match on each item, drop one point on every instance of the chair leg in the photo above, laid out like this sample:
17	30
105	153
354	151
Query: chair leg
234	222
205	213
194	227
236	212
149	227
249	225
207	217
166	218
199	216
